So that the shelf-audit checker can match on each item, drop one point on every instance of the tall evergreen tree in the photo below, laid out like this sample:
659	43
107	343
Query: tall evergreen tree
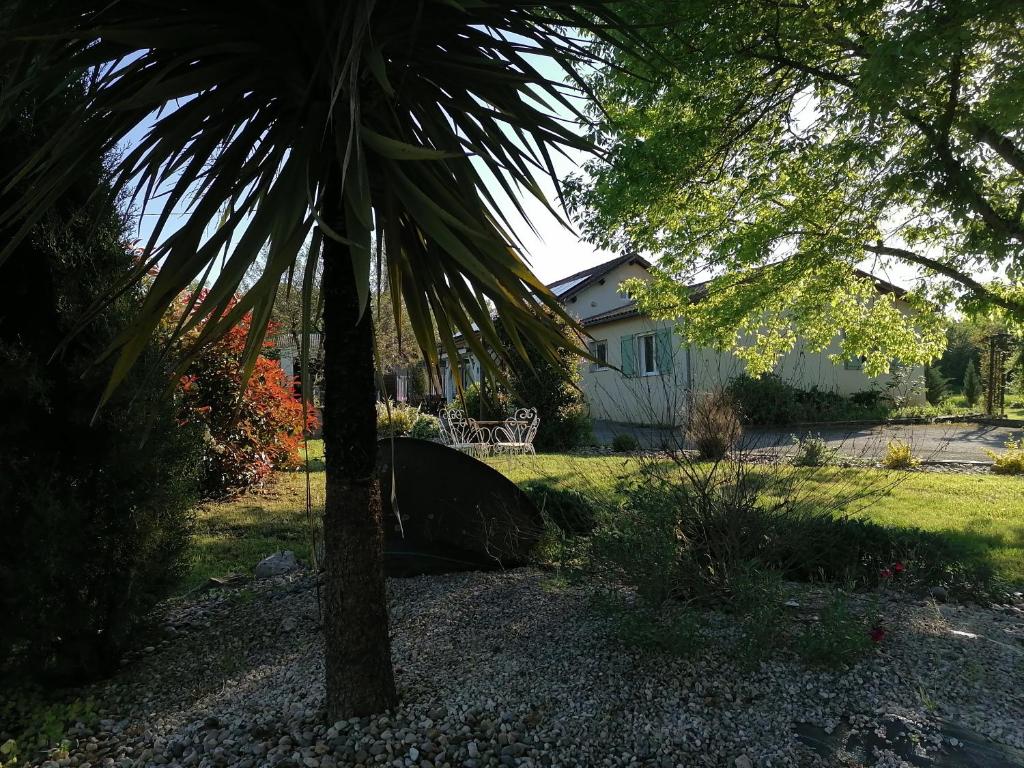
95	513
972	386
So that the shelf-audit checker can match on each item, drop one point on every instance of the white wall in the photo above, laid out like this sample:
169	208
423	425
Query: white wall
604	295
662	399
804	369
639	399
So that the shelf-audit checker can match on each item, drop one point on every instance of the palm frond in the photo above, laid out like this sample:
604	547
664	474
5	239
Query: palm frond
396	114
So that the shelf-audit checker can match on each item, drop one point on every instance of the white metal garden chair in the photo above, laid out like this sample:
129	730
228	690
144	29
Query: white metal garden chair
461	433
515	435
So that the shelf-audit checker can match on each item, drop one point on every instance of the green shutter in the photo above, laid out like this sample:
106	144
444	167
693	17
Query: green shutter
665	350
628	348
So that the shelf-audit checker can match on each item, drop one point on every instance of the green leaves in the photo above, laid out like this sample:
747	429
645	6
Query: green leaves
262	127
812	137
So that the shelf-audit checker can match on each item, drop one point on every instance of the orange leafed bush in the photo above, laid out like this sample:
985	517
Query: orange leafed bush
249	433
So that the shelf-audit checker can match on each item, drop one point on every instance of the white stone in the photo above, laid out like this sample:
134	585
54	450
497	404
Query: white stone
276	564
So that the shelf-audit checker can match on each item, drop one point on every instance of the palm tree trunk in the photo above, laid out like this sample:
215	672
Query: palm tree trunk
360	679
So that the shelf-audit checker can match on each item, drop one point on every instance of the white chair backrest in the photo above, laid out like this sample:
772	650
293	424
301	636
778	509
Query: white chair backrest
520	428
456	429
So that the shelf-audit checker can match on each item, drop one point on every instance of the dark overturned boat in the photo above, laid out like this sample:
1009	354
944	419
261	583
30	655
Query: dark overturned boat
457	513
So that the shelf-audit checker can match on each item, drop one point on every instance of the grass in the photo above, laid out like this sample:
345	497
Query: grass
232	536
1014	404
983	513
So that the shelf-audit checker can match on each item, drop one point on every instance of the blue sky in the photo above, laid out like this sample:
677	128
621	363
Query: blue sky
553	252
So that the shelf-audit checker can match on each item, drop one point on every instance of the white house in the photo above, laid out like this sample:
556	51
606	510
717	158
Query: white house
649	373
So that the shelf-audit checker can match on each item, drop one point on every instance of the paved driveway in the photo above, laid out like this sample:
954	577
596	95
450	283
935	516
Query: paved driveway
946	442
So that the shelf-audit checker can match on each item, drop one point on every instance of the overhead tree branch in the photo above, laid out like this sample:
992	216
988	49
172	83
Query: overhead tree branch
953	100
938	138
962	178
1002	145
978	289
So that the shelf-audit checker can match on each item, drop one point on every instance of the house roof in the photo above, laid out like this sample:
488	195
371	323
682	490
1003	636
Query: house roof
699	290
618	313
883	286
567	287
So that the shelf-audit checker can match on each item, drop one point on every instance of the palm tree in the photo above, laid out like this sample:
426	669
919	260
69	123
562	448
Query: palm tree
350	122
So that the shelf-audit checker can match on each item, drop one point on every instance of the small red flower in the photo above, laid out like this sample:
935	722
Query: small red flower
898	567
877	634
885	573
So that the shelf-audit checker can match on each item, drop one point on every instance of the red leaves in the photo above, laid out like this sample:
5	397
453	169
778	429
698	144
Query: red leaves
251	431
896	568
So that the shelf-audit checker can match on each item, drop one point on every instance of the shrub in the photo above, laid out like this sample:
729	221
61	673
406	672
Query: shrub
250	432
936	386
395	418
867	398
699	531
496	403
95	513
972	387
426	427
567	508
852	550
756	598
675	631
32	722
638	546
713	428
1011	462
417	386
946	408
812	451
406	421
898	455
840	636
683	536
765	400
769	401
552	386
625	443
570	428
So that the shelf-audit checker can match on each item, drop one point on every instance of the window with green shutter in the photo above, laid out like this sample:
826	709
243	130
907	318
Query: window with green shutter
654	353
648	354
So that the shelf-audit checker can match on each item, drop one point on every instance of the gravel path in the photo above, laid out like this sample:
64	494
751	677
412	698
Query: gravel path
506	669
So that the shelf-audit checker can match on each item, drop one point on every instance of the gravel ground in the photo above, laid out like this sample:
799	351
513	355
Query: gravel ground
513	668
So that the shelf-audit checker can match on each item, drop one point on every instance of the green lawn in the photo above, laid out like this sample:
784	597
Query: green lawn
984	512
1014	405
